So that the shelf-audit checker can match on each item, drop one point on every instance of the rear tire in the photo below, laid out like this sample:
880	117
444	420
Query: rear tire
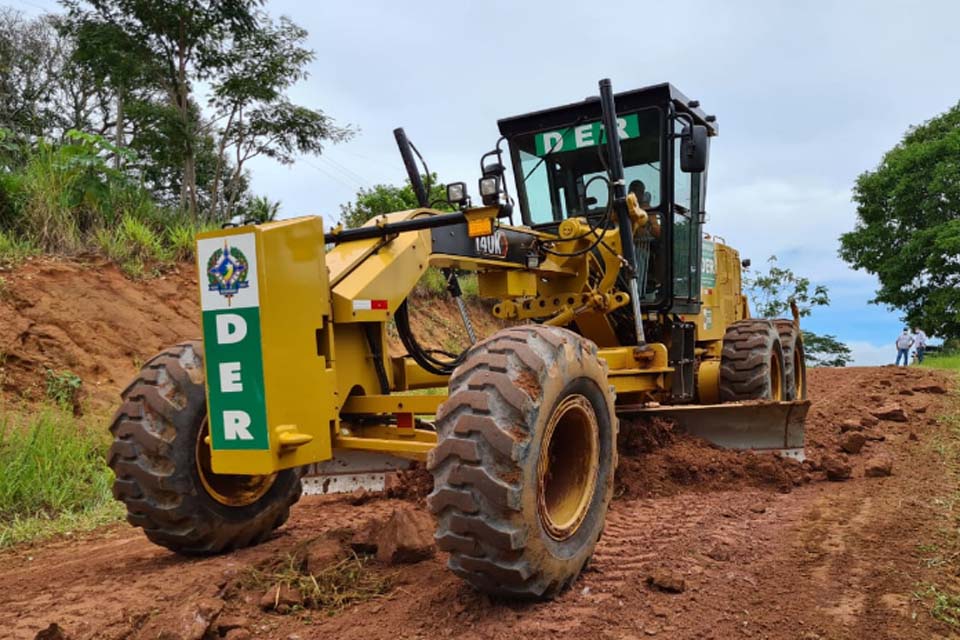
751	364
524	465
794	361
162	469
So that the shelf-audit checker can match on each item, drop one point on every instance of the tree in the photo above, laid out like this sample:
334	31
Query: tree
384	198
825	350
254	116
246	59
118	62
181	40
908	226
774	292
42	93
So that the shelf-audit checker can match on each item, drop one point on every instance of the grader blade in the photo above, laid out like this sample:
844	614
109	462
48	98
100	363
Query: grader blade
760	426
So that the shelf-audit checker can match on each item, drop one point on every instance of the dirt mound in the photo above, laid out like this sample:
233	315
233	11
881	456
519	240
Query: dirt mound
657	461
412	485
868	401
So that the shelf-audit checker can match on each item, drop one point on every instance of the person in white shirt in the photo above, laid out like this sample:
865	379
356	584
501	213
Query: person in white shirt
904	342
919	343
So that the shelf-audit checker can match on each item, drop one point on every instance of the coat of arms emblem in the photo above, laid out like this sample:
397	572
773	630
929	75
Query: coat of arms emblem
227	271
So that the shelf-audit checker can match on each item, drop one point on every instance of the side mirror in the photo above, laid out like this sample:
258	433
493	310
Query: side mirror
693	149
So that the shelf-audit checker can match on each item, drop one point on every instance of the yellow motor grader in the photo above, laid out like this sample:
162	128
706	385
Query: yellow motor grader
619	305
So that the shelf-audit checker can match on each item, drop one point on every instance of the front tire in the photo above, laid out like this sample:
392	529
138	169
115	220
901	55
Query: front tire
162	465
524	465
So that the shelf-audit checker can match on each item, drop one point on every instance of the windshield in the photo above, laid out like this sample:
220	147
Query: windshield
563	172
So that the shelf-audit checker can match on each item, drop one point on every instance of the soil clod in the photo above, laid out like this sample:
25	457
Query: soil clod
837	468
851	425
53	632
407	537
667	581
878	467
852	442
891	412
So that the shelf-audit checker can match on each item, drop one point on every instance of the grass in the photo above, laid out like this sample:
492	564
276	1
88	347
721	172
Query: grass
944	607
14	250
942	361
55	479
941	596
330	590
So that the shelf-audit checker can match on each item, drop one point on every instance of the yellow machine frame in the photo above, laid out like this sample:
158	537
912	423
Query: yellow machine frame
322	385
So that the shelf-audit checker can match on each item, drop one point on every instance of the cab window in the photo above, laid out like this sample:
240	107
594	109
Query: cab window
563	171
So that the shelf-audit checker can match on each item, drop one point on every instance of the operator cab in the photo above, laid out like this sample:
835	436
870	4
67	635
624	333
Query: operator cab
559	161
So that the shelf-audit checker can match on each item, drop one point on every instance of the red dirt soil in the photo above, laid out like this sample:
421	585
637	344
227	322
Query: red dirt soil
826	560
88	318
766	548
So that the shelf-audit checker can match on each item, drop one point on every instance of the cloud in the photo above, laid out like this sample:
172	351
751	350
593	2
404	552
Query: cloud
866	354
799	222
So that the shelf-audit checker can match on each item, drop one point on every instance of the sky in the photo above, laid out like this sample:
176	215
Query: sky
807	95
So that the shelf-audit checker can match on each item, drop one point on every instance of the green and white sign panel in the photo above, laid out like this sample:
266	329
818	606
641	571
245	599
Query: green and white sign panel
584	135
230	301
708	267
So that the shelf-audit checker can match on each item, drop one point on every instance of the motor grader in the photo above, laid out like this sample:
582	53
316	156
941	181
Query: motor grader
619	306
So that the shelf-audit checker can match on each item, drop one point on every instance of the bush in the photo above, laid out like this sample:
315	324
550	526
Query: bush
63	388
68	198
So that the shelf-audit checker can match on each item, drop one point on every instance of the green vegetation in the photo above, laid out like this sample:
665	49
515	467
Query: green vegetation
54	479
908	230
106	143
63	387
942	361
940	595
66	198
772	294
385	198
433	284
13	250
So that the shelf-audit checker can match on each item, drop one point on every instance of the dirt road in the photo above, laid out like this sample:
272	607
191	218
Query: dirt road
764	550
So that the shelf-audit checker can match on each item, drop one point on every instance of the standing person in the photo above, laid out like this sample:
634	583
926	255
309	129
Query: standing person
904	342
920	344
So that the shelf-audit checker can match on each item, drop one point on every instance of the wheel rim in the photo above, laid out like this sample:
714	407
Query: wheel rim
776	377
568	466
798	377
228	489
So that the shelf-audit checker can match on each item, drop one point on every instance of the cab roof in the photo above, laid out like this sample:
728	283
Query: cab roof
657	95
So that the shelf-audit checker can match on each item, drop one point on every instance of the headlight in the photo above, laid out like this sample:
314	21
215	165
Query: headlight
490	190
489	186
456	192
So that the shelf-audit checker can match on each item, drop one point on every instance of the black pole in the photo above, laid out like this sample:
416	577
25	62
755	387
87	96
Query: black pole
382	231
411	166
615	171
